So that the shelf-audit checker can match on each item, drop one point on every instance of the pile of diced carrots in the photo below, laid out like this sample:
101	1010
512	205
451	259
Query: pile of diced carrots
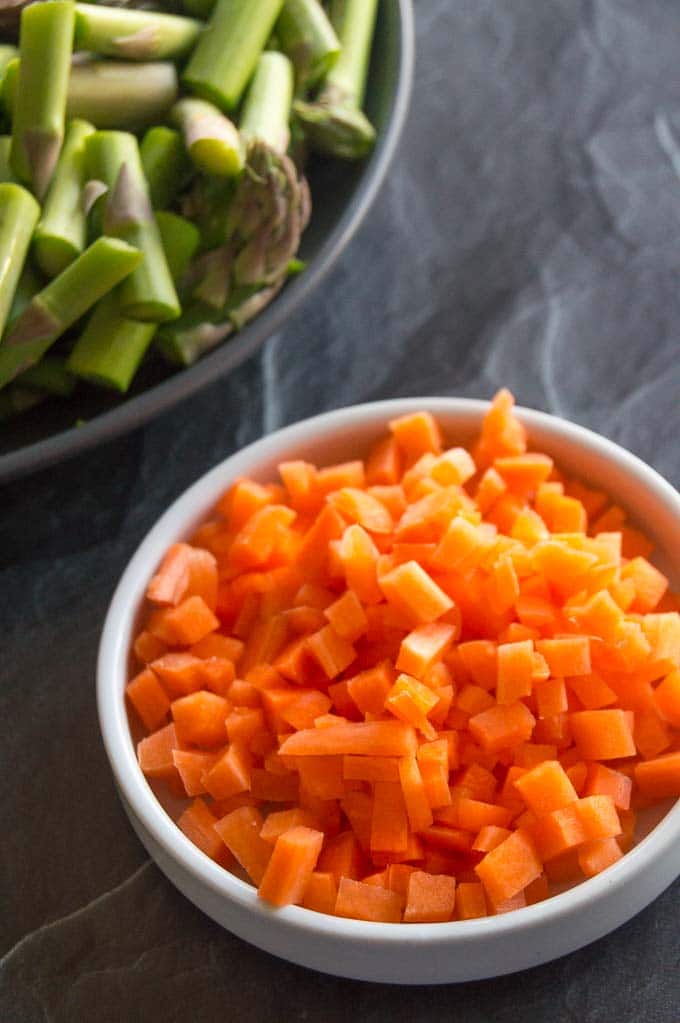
431	685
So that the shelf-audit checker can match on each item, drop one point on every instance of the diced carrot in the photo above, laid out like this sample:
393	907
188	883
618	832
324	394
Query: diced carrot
240	832
423	646
598	817
411	701
148	647
650	584
359	557
389	823
415	593
283	820
660	777
501	727
344	474
592	691
367	902
491	486
149	699
489	836
462	546
558	831
154	753
433	763
546	787
198	824
431	898
596	855
603	781
200	718
342	856
473	815
321	892
230	774
373	738
667	698
480	658
551	697
274	788
515	671
291	865
331	651
358	506
650	734
568	655
602	734
304	707
182	673
383	465
416	434
415	794
509	868
191	766
322	777
470	900
370	769
347	617
369	688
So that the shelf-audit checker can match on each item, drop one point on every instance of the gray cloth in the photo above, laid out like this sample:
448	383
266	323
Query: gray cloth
528	235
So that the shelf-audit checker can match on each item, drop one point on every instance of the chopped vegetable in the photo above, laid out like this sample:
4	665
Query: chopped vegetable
391	703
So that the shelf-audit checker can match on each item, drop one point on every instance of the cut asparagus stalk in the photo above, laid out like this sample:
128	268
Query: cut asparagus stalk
61	233
113	94
180	240
196	332
19	214
198	8
334	123
149	293
111	347
8	53
63	301
165	164
307	36
50	375
8	87
134	35
45	47
211	139
226	53
28	285
5	168
266	108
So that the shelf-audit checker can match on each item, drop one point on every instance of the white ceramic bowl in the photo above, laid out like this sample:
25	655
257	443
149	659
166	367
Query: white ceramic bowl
396	953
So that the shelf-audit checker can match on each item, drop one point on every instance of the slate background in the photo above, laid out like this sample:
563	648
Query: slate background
528	235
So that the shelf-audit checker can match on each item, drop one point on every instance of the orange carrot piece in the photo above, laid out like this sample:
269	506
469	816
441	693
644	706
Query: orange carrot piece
453	468
187	623
558	832
344	474
369	688
515	671
148	647
331	651
240	832
598	817
370	769
660	777
470	900
322	777
242	500
383	465
191	766
372	738
667	698
568	655
321	893
598	854
149	699
431	898
416	434
525	472
182	673
592	691
509	868
462	546
602	734
389	823
291	865
154	753
551	697
304	707
489	836
502	727
650	584
473	815
603	781
283	820
359	557
274	788
198	824
423	646
200	718
409	588
342	856
480	658
230	774
347	617
415	794
411	701
546	787
360	901
357	506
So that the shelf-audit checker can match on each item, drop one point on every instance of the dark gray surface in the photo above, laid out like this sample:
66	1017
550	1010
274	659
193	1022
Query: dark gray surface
529	235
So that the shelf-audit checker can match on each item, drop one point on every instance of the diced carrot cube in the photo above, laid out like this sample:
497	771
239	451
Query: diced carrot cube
149	699
198	824
367	902
431	898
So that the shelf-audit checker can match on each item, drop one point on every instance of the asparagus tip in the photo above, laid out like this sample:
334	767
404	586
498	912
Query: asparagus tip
335	129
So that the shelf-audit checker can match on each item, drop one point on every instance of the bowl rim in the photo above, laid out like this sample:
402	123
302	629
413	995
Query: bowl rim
134	412
113	660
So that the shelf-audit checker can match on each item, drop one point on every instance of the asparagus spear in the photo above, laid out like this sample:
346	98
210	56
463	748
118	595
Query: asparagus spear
113	158
113	94
5	168
180	240
8	53
19	214
334	123
266	108
45	46
307	36
61	233
63	301
226	53
28	285
211	139
198	8
111	347
164	162
50	375
134	35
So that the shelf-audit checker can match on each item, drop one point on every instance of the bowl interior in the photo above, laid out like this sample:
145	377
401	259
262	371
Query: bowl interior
340	195
650	501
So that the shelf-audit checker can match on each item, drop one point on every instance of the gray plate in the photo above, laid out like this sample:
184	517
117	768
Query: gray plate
342	195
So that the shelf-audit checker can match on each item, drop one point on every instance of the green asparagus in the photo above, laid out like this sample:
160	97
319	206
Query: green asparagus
211	139
19	214
111	347
165	164
266	108
134	35
308	37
